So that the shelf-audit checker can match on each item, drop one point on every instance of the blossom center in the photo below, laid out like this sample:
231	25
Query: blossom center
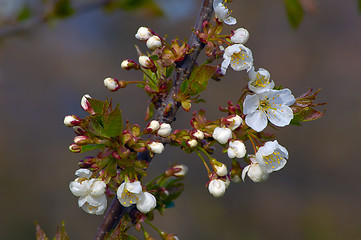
261	81
238	57
128	197
273	158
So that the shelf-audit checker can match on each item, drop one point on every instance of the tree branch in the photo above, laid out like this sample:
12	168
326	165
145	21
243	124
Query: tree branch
183	71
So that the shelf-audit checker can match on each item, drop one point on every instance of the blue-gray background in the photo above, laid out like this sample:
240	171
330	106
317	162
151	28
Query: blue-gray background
43	75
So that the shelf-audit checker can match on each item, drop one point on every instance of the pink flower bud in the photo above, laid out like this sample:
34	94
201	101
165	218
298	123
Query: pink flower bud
79	130
72	120
82	140
86	105
146	62
112	84
129	64
75	148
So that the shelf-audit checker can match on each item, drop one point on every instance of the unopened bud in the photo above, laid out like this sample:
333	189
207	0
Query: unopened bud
112	84
153	125
219	168
154	42
75	148
241	35
198	134
72	120
156	147
146	62
180	170
217	187
164	130
234	122
143	34
129	64
192	143
79	130
86	105
82	140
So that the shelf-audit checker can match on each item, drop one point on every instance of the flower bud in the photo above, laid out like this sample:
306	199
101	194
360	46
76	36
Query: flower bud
79	130
72	120
180	170
75	148
256	174
86	105
192	143
234	122
154	42
146	62
129	64
236	149
164	130
198	134
156	147
241	35
112	84
217	187
143	34
219	168
222	134
82	140
153	125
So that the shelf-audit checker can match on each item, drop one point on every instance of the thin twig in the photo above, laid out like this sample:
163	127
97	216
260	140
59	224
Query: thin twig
183	71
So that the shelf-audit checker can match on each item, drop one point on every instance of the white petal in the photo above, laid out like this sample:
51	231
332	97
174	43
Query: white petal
217	187
97	188
244	171
146	203
225	65
231	153
250	104
230	20
257	120
78	188
281	117
84	173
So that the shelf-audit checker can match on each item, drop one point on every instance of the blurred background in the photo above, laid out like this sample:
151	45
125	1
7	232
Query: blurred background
45	72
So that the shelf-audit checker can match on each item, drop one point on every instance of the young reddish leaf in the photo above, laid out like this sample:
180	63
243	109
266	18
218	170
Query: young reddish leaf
61	233
40	234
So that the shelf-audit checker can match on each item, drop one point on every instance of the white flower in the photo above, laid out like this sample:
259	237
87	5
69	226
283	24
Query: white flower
220	170
164	130
241	35
234	122
259	81
183	169
156	147
222	12
254	172
273	104
154	42
236	149
153	125
198	134
143	33
90	192
217	187
271	156
146	203
130	193
112	84
222	134
238	56
192	143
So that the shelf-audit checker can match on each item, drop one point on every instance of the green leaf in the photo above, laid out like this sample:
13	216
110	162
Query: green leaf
113	125
24	14
294	12
97	105
198	80
87	148
63	8
359	6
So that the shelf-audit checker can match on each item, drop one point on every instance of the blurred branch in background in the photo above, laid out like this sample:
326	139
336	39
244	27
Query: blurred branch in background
18	16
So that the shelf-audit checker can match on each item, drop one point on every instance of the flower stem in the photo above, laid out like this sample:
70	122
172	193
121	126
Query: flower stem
204	162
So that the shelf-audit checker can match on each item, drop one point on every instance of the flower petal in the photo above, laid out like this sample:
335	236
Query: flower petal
280	117
146	203
250	104
257	120
230	21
